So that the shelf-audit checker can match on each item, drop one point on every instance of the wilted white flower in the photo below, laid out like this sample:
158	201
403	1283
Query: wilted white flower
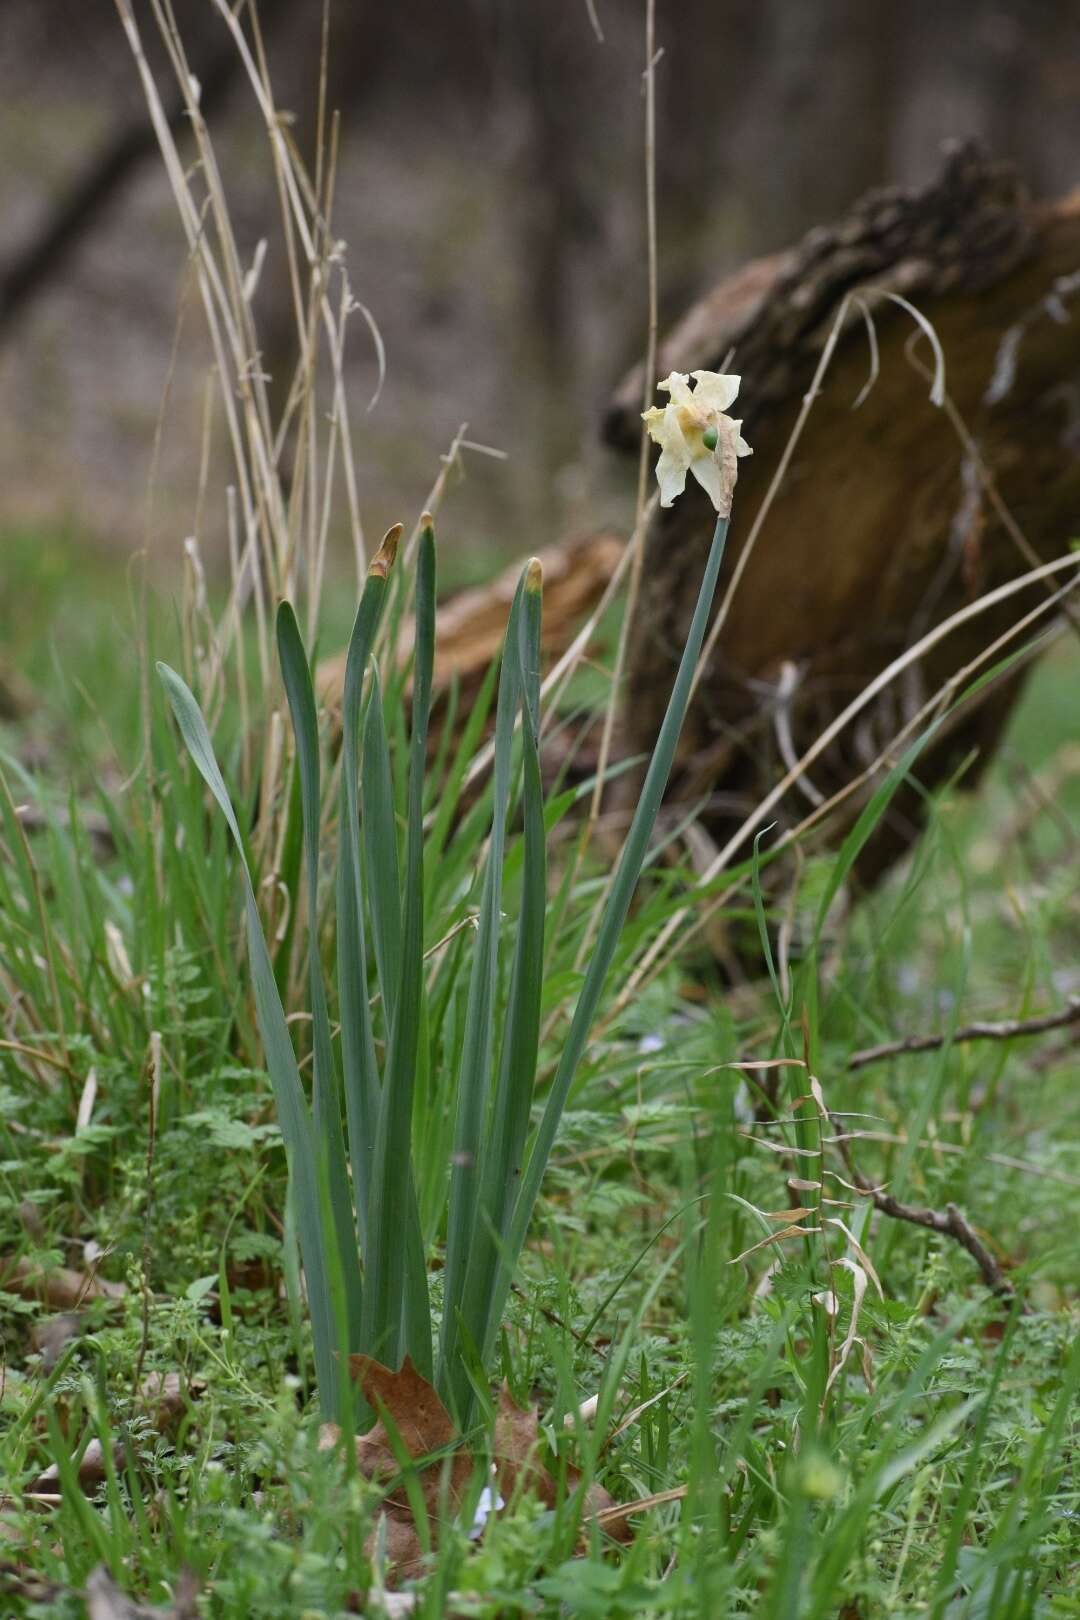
696	436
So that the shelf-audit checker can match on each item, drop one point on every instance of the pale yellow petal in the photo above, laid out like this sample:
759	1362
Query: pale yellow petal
741	446
667	430
671	476
653	419
707	471
677	384
715	390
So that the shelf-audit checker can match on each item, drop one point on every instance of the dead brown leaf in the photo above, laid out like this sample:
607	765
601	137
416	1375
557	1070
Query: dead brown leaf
165	1396
106	1601
91	1471
445	1466
59	1287
425	1431
423	1425
50	1336
519	1470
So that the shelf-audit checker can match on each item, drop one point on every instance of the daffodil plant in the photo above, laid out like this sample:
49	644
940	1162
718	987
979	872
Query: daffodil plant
354	1174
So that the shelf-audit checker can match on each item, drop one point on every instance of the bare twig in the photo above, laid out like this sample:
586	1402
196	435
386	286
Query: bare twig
553	1317
38	1057
1006	1029
617	1514
953	1223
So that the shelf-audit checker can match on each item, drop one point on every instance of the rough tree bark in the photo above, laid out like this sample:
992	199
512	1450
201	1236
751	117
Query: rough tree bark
882	526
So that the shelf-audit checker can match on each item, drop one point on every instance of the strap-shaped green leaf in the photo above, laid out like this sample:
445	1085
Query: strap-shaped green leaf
326	1094
443	872
395	1295
474	1078
360	1072
382	877
629	869
504	1143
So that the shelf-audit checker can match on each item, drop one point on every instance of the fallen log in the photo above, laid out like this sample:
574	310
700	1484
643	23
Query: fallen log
891	516
471	624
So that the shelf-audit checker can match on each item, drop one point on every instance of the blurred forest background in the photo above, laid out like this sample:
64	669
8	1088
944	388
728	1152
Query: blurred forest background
491	193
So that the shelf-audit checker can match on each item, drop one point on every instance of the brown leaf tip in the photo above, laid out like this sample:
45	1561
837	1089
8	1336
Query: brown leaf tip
427	521
534	575
383	560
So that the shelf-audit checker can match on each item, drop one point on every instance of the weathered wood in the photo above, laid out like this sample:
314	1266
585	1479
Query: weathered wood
471	624
881	528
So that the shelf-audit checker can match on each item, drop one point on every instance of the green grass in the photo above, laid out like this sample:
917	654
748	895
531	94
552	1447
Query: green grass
937	1478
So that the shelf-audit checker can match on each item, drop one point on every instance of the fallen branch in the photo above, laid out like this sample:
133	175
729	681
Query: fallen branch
1006	1030
952	1223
